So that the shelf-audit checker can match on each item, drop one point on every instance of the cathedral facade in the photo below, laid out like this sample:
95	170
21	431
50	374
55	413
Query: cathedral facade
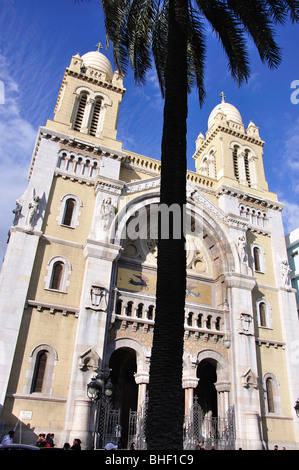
77	288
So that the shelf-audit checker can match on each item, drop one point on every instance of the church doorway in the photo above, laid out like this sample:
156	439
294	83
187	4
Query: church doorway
206	391
125	396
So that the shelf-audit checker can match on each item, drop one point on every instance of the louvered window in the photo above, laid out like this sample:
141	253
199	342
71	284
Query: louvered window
95	117
235	160
80	112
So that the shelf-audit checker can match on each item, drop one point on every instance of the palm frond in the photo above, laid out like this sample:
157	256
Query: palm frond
230	34
196	53
116	12
159	43
281	9
255	18
140	23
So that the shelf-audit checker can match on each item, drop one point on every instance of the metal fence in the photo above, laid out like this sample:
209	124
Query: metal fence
213	432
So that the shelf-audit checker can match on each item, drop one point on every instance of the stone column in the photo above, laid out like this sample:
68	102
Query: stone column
189	384
245	393
91	330
21	251
142	382
223	390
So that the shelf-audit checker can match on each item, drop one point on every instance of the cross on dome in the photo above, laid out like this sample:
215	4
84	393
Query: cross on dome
99	46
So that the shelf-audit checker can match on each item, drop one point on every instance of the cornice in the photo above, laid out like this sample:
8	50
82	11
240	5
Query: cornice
78	143
95	81
249	197
211	134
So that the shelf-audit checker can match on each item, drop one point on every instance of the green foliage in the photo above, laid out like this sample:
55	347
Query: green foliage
138	30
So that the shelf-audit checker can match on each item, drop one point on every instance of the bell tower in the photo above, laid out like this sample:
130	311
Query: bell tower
89	99
230	153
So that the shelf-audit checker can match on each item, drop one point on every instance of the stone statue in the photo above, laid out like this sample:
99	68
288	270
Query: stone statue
242	249
285	273
33	212
17	212
107	213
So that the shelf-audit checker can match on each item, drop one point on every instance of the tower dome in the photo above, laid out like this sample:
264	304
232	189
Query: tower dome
230	111
99	61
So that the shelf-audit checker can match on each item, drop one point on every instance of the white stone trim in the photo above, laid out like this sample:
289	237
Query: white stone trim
52	358
268	313
66	272
276	397
76	212
262	258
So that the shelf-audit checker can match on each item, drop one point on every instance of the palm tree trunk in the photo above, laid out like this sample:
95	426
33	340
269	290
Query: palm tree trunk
166	397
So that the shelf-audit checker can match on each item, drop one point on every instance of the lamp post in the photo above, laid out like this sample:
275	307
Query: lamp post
99	389
297	407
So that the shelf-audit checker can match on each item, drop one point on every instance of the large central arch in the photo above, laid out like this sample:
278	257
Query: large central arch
211	220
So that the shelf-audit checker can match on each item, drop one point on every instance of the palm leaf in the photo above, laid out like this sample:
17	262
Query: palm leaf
196	53
230	34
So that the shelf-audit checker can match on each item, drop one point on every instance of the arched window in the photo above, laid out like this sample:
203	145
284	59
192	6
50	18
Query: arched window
80	111
199	321
58	271
263	310
256	258
247	169
150	312
270	395
118	307
235	162
140	311
89	111
39	372
95	116
190	319
129	309
262	314
68	212
57	274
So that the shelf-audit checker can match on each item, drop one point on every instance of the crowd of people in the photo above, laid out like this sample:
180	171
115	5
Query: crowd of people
44	440
47	440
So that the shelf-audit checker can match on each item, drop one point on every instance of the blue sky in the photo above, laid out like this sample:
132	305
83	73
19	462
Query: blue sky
37	41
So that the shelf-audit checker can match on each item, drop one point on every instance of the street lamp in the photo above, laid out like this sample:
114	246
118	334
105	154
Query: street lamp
99	389
297	407
97	386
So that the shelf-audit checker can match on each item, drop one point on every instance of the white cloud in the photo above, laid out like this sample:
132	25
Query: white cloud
291	146
290	216
17	137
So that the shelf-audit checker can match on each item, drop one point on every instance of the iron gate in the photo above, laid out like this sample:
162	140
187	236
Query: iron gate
217	433
214	433
137	427
108	429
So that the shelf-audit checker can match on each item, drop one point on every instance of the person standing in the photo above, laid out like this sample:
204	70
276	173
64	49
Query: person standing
8	439
76	444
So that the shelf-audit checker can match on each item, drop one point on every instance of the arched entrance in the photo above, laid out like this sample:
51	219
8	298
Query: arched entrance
206	391
211	418
124	366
